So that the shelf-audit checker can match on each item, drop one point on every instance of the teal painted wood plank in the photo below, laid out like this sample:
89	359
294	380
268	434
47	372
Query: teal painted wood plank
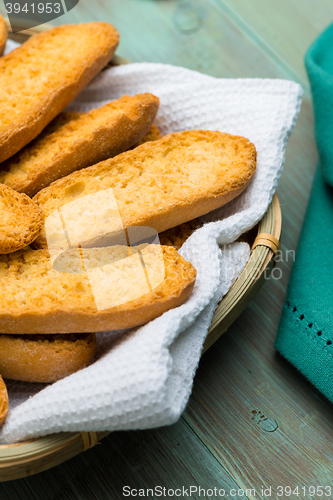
171	457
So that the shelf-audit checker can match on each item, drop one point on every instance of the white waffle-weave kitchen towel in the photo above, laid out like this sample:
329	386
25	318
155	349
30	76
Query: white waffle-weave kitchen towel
143	378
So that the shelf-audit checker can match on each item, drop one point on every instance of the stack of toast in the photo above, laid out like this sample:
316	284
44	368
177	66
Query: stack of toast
93	206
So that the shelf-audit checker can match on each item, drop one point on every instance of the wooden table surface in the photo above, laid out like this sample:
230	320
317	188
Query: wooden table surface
252	420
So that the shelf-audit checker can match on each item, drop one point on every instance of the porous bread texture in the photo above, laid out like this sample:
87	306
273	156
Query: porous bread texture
37	298
3	35
86	139
45	358
60	120
176	236
153	134
4	402
42	76
163	183
21	220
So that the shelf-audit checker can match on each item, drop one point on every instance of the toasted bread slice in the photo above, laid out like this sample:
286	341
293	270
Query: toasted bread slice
64	117
3	35
92	290
4	402
80	142
21	220
159	184
44	74
44	358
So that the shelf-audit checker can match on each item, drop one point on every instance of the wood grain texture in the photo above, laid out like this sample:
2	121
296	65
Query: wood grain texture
242	386
153	31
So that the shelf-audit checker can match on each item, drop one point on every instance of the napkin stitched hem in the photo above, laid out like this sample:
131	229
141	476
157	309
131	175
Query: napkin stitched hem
306	347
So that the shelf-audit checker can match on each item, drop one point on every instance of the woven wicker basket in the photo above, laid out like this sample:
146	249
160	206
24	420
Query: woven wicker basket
30	457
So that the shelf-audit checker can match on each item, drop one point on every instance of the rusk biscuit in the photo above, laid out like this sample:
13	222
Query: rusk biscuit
153	134
96	289
44	358
3	35
21	220
80	142
159	184
4	403
64	117
42	76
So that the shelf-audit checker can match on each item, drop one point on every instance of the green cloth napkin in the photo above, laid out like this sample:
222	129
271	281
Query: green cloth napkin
305	335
